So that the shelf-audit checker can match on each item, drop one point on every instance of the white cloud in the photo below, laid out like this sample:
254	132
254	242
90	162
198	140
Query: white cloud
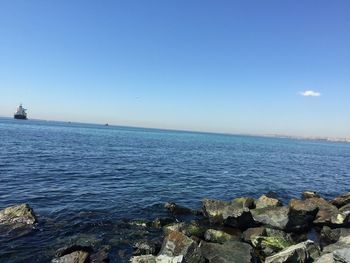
310	93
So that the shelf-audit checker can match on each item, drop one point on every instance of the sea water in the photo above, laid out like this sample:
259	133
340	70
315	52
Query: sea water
86	182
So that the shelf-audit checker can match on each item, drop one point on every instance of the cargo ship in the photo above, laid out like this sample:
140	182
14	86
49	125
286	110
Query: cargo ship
20	113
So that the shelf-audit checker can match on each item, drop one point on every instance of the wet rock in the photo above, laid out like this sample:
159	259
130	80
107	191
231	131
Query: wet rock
101	256
228	252
18	214
140	223
144	247
270	245
300	253
176	209
218	236
250	233
73	248
309	194
235	213
74	257
160	222
341	200
269	200
177	244
189	229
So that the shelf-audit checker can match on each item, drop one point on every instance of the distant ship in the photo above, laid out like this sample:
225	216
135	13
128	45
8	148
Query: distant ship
20	113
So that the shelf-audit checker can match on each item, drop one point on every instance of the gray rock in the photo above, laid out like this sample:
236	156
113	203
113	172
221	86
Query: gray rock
250	233
309	194
326	258
228	252
270	245
176	209
187	228
275	217
302	213
157	259
144	247
100	256
70	249
160	222
244	202
345	208
300	253
342	255
18	214
74	257
343	242
327	214
145	259
329	235
235	213
341	200
218	236
177	244
266	201
337	256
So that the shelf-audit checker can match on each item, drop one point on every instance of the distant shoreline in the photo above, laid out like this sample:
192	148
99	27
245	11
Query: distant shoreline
280	136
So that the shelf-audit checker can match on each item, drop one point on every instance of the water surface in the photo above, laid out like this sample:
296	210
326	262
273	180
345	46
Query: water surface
90	179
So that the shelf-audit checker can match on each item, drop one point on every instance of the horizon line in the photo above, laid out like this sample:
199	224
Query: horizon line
264	135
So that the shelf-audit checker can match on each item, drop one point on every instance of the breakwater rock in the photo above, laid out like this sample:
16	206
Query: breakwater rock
309	229
243	230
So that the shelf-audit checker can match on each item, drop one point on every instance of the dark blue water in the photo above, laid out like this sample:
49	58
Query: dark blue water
86	181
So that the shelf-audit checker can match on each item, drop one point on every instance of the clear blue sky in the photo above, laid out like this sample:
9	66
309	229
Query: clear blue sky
224	66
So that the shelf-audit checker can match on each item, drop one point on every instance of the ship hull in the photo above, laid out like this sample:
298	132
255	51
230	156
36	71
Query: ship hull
20	117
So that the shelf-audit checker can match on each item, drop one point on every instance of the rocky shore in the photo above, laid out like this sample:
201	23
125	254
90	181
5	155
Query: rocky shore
244	230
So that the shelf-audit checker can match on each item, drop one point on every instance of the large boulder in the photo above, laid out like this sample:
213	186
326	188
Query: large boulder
300	253
275	217
228	252
267	201
19	214
218	236
176	244
327	213
302	213
235	213
341	200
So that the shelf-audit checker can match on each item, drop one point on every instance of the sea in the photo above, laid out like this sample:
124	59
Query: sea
91	183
